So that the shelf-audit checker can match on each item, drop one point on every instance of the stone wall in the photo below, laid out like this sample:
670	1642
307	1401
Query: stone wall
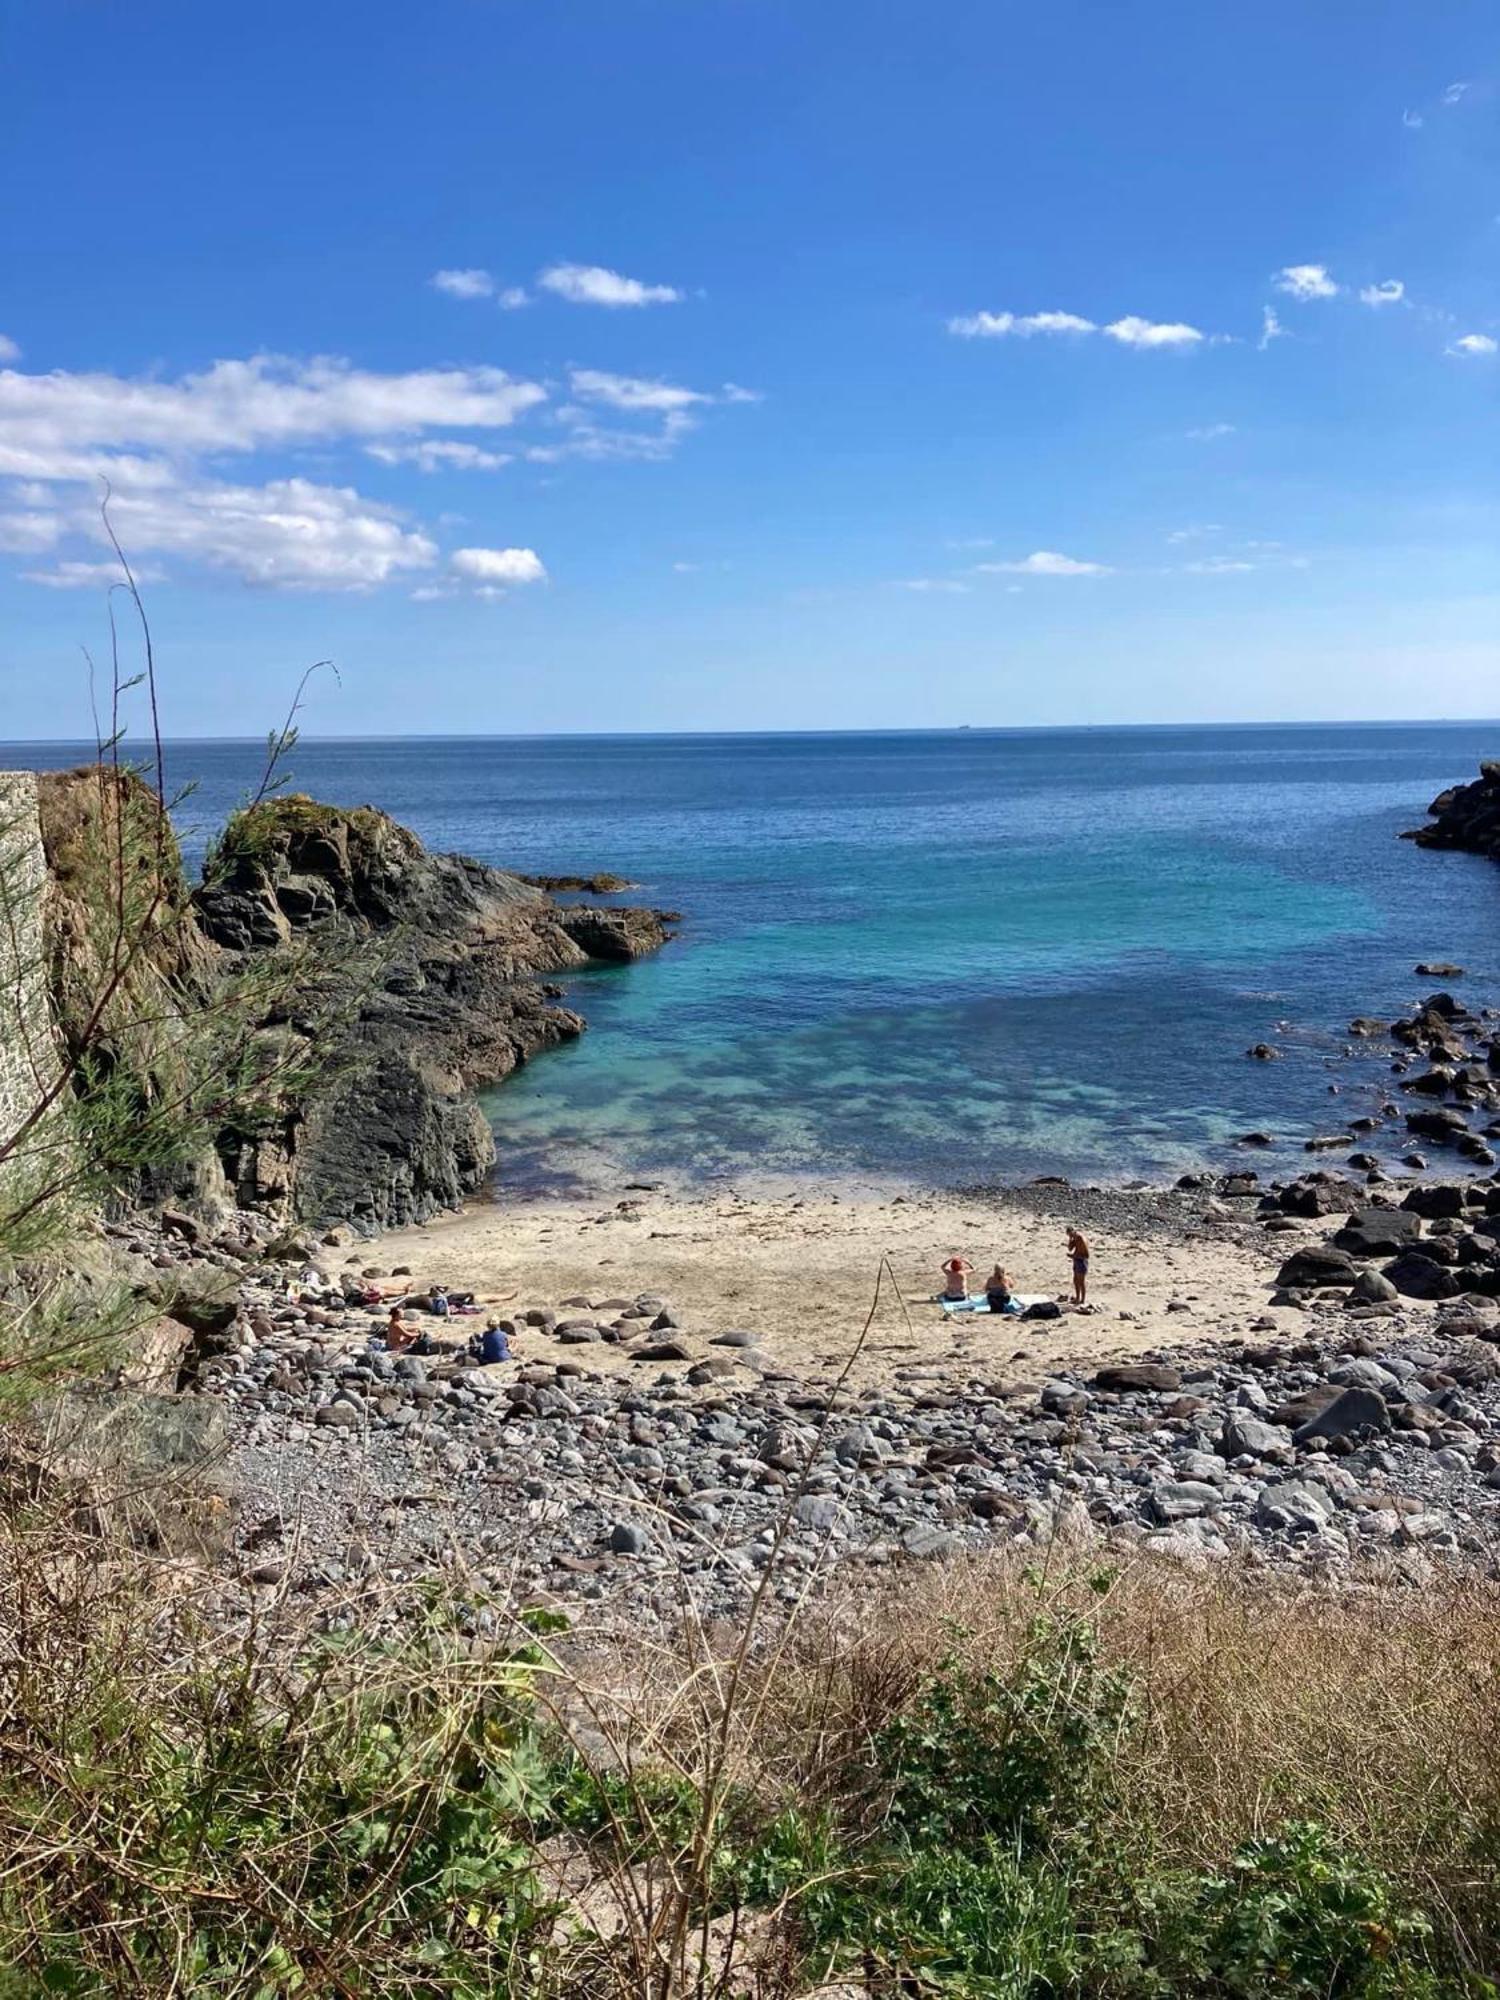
27	1047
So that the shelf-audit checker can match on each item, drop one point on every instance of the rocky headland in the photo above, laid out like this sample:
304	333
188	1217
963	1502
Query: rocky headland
1466	817
426	982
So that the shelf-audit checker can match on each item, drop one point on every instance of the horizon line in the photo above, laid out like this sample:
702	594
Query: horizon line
714	735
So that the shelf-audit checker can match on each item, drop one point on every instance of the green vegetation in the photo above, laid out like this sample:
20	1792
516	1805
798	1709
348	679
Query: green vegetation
416	1815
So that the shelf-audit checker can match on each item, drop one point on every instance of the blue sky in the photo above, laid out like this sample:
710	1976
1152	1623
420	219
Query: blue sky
798	363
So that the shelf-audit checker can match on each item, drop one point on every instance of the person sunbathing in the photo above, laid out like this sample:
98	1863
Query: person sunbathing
997	1289
956	1276
398	1334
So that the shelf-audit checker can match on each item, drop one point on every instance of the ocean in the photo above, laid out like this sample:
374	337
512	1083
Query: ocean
944	957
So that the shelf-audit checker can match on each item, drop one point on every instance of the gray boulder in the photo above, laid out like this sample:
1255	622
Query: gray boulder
1351	1412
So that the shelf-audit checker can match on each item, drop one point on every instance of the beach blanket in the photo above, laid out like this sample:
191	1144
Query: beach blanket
978	1303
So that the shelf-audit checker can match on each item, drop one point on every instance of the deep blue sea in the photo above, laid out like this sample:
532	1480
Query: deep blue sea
946	957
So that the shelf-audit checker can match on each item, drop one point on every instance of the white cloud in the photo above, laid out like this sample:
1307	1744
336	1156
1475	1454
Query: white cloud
1456	92
995	326
1305	281
733	393
250	405
29	533
440	455
288	534
593	285
1475	343
631	392
1389	292
1270	328
1219	566
89	575
493	572
463	284
1132	331
1413	120
513	298
9	349
1196	532
1044	562
1206	433
946	585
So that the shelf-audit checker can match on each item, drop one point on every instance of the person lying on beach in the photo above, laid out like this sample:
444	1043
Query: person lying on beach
997	1289
956	1275
1078	1251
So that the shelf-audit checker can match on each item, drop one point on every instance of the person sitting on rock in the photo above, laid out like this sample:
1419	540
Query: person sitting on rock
493	1344
1078	1251
997	1289
398	1335
956	1275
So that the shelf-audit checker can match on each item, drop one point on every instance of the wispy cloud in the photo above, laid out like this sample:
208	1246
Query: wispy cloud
1270	328
632	392
1131	331
513	298
947	586
9	349
1044	562
1456	93
1389	292
1207	433
593	285
1305	281
1219	566
75	575
440	455
29	532
465	284
1002	325
1475	344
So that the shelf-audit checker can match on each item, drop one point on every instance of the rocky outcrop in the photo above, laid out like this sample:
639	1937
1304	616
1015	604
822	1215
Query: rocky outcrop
445	958
1465	817
386	986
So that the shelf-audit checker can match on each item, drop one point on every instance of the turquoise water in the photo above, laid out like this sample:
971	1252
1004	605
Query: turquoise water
947	956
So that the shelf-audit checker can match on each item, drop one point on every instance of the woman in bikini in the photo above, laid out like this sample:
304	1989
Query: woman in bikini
1078	1251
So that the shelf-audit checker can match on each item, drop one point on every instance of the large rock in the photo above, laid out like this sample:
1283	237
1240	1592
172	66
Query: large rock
1352	1412
440	956
1378	1232
1316	1264
1133	1376
1419	1277
1466	817
1442	1124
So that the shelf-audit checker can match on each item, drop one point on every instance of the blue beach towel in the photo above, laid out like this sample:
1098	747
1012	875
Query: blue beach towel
978	1303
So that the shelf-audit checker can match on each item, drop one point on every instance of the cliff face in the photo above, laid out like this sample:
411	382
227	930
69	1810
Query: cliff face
1465	817
422	986
445	955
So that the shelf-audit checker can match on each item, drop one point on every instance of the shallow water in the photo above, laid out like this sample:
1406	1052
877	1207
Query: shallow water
947	957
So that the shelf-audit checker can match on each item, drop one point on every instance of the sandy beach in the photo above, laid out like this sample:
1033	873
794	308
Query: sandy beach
802	1271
